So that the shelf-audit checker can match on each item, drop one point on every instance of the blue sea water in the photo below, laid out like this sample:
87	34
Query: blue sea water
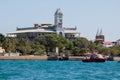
58	70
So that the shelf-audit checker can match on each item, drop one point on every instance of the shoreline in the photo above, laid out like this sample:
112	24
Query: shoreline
23	57
73	58
77	58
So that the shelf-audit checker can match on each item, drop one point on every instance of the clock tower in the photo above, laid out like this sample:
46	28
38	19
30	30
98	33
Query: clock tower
58	18
58	22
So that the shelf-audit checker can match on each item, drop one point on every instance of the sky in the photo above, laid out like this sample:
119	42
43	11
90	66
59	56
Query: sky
87	15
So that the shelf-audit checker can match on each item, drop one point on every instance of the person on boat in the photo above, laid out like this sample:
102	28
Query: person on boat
94	55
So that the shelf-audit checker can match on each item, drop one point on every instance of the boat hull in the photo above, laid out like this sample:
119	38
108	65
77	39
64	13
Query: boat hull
93	60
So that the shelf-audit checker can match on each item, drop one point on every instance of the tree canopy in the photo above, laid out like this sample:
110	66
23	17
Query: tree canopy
45	44
2	38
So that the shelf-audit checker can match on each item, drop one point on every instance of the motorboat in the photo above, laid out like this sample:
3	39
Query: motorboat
94	58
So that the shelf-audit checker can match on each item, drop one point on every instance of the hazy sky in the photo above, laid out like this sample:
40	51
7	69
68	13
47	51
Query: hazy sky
87	15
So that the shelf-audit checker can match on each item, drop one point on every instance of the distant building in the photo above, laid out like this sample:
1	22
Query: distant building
99	38
118	42
108	44
42	29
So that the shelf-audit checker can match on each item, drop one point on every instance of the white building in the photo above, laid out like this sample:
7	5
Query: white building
108	44
118	42
42	29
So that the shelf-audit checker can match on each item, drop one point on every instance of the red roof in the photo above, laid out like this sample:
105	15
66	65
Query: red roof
107	43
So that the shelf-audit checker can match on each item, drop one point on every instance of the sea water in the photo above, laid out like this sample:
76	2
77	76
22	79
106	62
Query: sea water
58	70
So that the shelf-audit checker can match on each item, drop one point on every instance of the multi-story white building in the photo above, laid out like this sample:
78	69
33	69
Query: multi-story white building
42	29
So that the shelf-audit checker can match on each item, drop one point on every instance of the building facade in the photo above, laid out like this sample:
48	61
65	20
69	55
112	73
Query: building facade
99	38
42	29
118	42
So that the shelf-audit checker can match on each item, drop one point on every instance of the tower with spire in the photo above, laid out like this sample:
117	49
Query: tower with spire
58	17
99	37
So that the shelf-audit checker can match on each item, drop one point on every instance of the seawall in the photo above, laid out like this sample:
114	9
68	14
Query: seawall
36	58
23	57
117	58
73	58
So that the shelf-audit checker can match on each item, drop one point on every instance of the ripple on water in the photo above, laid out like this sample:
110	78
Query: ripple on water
58	70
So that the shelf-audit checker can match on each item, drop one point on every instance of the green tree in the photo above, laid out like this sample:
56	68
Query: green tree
37	48
51	41
76	51
24	46
82	43
9	44
2	38
91	46
69	45
62	43
115	51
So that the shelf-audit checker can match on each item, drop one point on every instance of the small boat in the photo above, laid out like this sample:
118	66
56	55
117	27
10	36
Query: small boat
109	58
94	58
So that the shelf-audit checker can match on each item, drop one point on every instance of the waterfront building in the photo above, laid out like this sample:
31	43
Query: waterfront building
99	38
108	44
118	42
42	29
